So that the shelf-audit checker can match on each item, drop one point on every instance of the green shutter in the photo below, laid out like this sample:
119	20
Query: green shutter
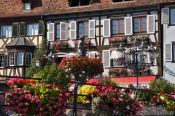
41	27
15	30
22	29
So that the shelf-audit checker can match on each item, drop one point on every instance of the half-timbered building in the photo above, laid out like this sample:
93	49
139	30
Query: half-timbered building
95	28
21	32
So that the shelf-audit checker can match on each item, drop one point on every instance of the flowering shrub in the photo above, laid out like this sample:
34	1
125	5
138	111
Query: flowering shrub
60	44
86	90
82	65
36	98
106	99
53	74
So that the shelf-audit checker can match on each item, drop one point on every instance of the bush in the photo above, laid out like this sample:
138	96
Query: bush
53	74
162	86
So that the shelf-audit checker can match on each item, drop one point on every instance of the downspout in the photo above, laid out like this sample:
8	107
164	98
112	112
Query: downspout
159	44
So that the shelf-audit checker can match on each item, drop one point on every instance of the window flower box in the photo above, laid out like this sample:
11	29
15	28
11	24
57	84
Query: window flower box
117	40
60	45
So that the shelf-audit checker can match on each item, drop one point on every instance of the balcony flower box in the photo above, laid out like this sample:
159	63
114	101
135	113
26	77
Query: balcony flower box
60	45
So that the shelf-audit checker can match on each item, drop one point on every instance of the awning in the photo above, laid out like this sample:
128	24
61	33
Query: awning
133	80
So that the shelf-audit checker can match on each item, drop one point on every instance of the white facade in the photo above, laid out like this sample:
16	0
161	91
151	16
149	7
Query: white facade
100	31
168	42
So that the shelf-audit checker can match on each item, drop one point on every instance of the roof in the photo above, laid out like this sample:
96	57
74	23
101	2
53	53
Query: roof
133	80
14	8
21	41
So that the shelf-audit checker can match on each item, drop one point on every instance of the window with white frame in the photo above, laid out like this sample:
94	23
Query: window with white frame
27	6
32	29
1	60
117	58
11	58
117	26
20	56
82	29
28	58
139	24
6	31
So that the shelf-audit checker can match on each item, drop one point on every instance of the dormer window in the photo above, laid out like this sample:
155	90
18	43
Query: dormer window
73	3
27	6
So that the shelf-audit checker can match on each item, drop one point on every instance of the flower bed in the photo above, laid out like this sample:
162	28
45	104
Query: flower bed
107	99
28	98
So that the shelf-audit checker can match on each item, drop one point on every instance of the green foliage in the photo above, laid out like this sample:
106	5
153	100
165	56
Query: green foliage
38	56
52	74
161	85
145	95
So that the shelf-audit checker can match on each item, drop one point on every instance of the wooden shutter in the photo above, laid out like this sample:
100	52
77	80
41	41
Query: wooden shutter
128	26
63	31
73	28
165	16
41	27
22	29
168	52
15	30
50	31
106	58
91	29
150	23
106	28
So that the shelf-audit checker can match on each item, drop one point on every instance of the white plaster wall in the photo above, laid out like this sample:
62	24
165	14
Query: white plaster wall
168	37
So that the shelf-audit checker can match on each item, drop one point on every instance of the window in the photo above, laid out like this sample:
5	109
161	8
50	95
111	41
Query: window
57	31
27	6
73	3
11	59
1	60
172	16
6	31
117	26
32	29
117	58
139	24
20	56
82	29
28	58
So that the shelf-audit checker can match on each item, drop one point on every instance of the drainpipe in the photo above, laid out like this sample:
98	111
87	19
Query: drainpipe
160	43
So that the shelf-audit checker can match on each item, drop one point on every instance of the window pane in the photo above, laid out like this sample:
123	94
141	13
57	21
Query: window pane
20	58
12	58
114	27
143	24
58	31
136	25
121	26
6	31
1	60
28	58
172	11
82	29
85	28
32	29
